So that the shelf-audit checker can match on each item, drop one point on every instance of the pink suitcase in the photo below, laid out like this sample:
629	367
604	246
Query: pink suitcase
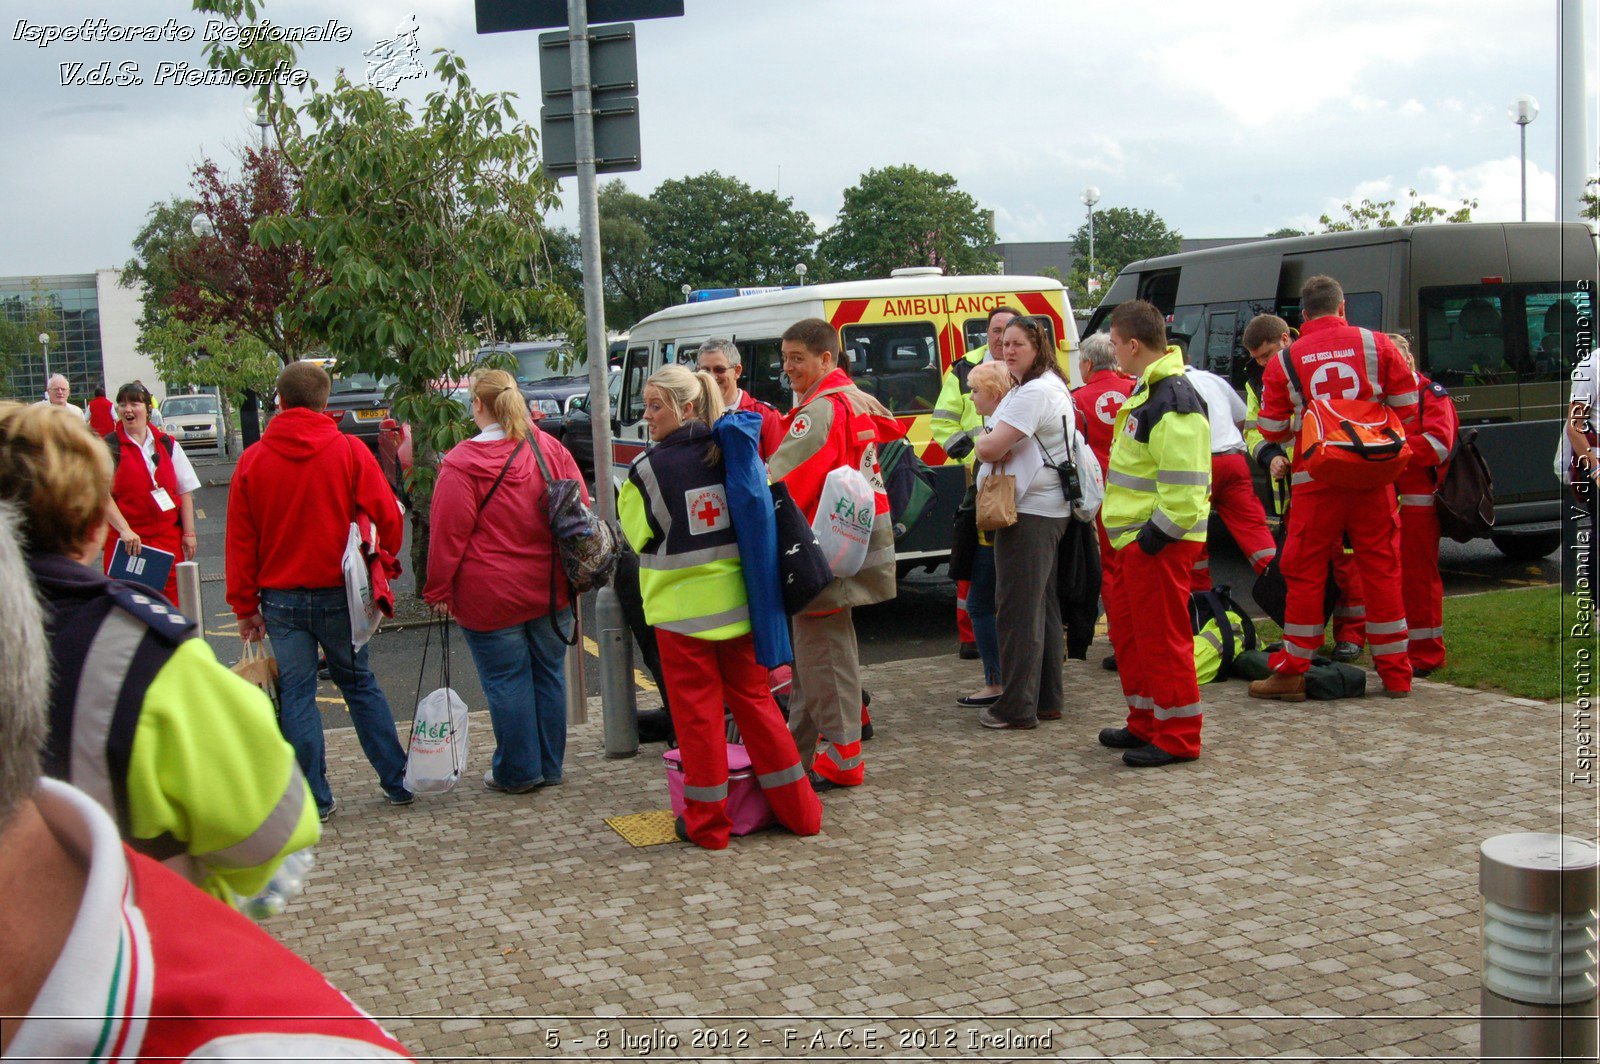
747	806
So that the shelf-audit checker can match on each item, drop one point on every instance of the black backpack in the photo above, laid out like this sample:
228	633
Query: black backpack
1464	499
908	482
1220	621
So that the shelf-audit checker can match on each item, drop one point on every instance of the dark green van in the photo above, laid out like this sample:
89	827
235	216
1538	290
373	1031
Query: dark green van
1499	314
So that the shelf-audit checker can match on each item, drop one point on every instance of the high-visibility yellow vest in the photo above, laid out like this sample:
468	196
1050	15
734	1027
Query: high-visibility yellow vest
1160	473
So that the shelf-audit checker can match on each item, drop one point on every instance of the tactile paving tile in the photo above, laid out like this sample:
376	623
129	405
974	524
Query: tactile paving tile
645	829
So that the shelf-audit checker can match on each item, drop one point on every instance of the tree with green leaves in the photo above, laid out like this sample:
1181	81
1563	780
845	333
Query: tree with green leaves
1287	230
634	285
906	216
1123	235
1379	214
711	231
419	220
1591	199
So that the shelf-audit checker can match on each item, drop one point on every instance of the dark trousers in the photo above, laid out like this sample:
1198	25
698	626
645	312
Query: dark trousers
1028	615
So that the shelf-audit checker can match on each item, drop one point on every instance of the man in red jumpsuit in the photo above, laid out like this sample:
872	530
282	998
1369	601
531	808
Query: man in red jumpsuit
1103	391
1335	360
1419	520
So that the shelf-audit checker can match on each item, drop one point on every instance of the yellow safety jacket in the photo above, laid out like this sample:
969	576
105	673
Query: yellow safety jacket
674	511
1262	450
955	419
1158	489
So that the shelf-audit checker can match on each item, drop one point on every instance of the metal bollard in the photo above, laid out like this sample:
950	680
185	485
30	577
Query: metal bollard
190	603
572	674
1540	928
616	685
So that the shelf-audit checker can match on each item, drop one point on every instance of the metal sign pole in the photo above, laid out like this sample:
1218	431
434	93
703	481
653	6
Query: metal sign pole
621	726
189	601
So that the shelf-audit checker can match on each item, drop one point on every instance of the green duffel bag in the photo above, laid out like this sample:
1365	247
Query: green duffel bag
1251	665
1327	680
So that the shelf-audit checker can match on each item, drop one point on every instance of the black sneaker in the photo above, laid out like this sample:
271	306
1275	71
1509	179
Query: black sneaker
866	731
967	652
821	783
1150	756
680	829
1120	739
326	813
1109	663
403	798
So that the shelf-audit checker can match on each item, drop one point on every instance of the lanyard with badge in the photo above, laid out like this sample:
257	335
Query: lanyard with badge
162	499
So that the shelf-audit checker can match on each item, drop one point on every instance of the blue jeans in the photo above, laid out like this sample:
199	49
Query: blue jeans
980	608
520	670
298	622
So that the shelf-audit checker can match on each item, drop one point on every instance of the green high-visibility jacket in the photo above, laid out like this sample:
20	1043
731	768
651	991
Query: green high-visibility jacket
1262	451
955	418
1158	489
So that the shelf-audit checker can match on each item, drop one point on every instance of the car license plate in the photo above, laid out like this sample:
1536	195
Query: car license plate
371	415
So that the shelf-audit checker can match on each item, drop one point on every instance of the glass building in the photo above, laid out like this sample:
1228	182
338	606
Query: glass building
68	308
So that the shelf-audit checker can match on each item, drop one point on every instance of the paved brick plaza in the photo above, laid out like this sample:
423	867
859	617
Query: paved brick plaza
1309	887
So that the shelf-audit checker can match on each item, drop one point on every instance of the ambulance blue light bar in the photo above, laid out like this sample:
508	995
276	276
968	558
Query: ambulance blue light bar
706	295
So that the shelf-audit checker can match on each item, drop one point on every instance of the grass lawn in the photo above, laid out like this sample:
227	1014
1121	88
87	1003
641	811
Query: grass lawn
1500	641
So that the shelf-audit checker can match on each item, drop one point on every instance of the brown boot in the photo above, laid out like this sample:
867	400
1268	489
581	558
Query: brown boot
1280	685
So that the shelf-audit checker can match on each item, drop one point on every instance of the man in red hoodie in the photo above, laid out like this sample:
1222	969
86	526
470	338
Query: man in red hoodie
290	506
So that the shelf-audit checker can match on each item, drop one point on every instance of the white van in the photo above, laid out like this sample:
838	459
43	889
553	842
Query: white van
901	333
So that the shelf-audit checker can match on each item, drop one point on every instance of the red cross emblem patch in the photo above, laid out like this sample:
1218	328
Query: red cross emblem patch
708	509
801	426
1106	407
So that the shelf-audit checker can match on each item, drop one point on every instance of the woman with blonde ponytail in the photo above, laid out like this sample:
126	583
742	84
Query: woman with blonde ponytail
492	563
674	510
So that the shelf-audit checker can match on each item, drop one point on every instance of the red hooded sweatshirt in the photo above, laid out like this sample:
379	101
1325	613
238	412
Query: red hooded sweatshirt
290	506
495	569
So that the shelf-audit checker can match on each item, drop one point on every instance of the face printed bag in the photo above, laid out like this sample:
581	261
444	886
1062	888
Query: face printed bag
843	523
437	750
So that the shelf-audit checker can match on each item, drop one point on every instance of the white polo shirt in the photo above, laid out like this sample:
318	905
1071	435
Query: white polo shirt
1224	409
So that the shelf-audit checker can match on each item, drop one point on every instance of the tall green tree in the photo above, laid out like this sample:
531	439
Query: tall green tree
420	220
1123	235
906	216
711	231
1379	214
634	286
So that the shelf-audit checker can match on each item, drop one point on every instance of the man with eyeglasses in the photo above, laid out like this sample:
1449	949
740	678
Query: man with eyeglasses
720	358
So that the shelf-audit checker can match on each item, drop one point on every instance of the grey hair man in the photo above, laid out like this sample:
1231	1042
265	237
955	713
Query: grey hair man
56	391
720	358
1095	353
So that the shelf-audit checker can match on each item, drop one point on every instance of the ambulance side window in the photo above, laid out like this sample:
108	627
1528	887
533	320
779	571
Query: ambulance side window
763	371
976	330
635	372
897	362
1463	335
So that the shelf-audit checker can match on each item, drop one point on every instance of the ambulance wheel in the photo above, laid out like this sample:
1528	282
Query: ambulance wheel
1529	548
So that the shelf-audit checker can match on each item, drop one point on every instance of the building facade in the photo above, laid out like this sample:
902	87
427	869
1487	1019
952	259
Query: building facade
93	326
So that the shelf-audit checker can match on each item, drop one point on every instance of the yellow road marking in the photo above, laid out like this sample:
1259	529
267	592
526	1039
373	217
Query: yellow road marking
330	701
199	514
643	680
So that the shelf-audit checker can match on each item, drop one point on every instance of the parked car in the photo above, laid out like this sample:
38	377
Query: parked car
359	403
550	376
579	438
193	420
394	441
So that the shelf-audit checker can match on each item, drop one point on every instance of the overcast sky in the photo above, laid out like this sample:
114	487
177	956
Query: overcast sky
1227	118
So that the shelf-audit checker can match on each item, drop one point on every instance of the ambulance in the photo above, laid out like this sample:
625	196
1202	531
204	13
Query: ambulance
900	335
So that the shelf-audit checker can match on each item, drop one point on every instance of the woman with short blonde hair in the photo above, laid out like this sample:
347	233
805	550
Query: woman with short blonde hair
989	381
493	565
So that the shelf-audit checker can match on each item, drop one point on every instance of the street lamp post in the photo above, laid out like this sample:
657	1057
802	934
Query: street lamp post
1524	109
1091	196
800	270
256	111
44	342
685	289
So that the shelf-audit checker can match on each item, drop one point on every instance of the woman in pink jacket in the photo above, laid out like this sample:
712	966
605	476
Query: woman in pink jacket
492	564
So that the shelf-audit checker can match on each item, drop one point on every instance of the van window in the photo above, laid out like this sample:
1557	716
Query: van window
898	363
1463	335
635	373
1185	324
763	371
1364	309
1558	331
1222	334
976	330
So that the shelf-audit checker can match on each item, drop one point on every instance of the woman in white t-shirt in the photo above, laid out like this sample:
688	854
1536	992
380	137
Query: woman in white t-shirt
1027	437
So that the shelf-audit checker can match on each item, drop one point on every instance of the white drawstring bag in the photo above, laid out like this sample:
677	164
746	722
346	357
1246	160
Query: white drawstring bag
437	750
843	524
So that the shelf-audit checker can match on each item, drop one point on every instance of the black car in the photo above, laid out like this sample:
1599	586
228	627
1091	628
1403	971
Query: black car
358	404
579	439
549	375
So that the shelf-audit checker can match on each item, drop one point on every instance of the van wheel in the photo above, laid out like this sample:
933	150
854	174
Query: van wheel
1528	548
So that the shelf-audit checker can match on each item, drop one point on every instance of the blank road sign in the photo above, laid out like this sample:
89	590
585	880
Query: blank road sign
500	16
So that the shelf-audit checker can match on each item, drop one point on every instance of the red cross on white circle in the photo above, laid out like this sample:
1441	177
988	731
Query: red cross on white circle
1106	407
1335	380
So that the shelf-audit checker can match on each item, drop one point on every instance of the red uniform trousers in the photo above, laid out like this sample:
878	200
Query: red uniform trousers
963	622
1350	615
1110	573
1155	652
1423	588
701	675
1233	497
1318	517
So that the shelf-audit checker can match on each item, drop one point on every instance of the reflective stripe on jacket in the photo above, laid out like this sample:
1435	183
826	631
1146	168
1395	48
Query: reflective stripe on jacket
184	755
955	417
1160	472
674	511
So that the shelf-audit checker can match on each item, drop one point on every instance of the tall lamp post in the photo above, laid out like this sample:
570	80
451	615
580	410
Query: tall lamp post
1091	196
256	111
1524	109
44	342
800	271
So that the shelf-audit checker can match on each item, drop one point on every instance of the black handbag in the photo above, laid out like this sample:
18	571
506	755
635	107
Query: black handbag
802	567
